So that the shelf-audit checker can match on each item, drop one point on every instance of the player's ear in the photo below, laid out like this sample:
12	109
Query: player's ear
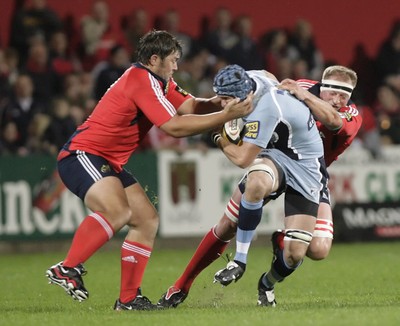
153	59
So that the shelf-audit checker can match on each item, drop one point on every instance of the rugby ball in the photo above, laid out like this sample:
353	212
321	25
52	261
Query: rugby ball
233	131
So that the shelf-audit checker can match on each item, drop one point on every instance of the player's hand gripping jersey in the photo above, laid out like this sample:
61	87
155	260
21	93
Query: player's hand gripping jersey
336	141
127	111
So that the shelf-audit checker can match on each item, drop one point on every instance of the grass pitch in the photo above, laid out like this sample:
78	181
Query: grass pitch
359	284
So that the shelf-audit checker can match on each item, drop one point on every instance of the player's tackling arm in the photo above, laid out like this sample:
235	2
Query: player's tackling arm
321	110
198	105
191	124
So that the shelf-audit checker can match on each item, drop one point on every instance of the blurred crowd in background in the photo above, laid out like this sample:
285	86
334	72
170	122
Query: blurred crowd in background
54	70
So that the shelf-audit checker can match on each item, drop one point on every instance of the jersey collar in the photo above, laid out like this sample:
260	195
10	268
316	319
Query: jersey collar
162	80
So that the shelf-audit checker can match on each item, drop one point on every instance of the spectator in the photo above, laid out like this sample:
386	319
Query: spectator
86	92
208	64
299	69
368	134
4	84
21	106
9	70
42	73
302	40
221	38
37	126
12	59
97	36
30	21
388	114
60	128
276	52
78	114
72	89
364	65
171	23
192	71
110	71
245	52
134	27
78	90
9	140
388	58
62	60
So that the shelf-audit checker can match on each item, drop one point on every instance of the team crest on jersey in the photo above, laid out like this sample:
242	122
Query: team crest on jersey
274	138
166	88
105	168
311	122
181	91
252	129
346	115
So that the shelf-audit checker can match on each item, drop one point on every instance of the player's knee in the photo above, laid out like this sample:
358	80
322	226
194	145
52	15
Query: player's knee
118	216
145	223
152	224
153	220
295	253
296	243
294	258
256	187
319	248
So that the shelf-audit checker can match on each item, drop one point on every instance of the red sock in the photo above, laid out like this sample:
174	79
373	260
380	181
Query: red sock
209	249
134	258
92	234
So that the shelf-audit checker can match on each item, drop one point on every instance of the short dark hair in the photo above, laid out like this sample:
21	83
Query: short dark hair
156	42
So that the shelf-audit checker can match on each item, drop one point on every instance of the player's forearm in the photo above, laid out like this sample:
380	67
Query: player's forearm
207	105
192	124
323	112
234	153
200	106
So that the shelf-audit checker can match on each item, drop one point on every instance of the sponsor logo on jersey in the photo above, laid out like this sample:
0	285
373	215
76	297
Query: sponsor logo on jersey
346	115
181	91
311	121
166	88
252	129
105	168
274	138
314	191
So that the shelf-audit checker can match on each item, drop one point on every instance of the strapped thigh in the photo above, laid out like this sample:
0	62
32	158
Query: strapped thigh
261	166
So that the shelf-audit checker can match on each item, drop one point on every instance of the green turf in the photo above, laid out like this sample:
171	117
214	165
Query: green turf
359	284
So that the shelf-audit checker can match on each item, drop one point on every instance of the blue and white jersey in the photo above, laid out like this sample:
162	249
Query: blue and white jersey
281	121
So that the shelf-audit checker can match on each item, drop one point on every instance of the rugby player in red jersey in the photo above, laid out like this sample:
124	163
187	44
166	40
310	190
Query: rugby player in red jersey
91	163
337	132
338	122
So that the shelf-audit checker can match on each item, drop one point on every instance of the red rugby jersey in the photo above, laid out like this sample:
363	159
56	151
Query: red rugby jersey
335	142
121	119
